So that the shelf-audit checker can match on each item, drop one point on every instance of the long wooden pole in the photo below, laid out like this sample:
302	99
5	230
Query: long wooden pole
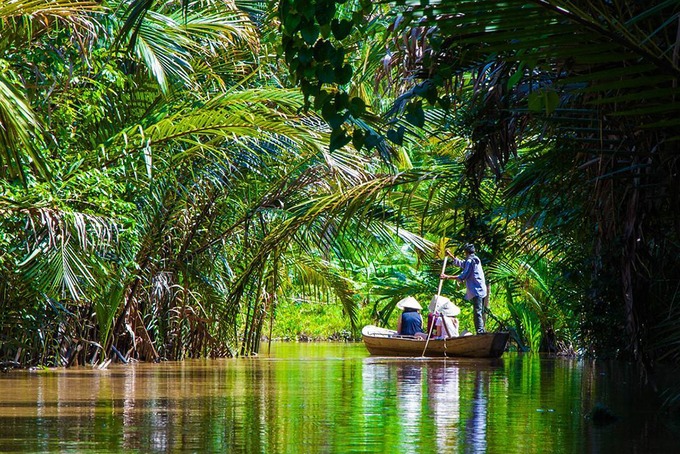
439	292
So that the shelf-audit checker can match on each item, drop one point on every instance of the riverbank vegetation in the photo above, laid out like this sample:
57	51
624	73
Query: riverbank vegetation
178	178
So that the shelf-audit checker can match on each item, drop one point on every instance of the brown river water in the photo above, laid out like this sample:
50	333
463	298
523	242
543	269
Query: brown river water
332	397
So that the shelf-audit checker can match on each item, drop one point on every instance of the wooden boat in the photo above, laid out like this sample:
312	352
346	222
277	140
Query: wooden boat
386	342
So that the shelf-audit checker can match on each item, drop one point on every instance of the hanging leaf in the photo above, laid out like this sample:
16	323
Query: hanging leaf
552	101
357	107
535	101
324	11
310	33
325	74
341	28
358	139
344	75
291	22
415	114
396	135
339	139
516	76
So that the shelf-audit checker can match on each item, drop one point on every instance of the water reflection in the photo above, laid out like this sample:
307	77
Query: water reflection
332	398
440	404
443	390
475	429
409	403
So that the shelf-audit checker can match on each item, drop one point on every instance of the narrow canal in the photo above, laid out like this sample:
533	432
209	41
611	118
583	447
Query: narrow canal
327	398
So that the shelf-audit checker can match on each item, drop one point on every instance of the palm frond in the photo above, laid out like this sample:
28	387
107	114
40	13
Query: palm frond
319	274
61	261
171	42
19	132
36	8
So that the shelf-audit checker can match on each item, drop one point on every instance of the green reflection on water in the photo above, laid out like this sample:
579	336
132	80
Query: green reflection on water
330	398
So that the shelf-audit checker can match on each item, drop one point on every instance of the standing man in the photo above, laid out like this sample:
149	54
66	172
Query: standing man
473	276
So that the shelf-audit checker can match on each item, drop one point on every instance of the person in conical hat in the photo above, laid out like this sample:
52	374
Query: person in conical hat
410	321
445	313
409	303
442	304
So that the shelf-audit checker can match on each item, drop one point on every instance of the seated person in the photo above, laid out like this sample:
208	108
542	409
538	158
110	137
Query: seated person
446	325
444	312
410	321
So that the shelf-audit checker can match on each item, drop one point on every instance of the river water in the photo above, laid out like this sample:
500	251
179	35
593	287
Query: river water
328	398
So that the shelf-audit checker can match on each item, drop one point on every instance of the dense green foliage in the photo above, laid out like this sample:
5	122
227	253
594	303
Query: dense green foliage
165	187
168	149
569	106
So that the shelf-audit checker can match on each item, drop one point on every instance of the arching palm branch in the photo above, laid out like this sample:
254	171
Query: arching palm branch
183	44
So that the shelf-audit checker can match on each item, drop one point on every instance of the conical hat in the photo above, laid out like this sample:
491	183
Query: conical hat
409	303
444	306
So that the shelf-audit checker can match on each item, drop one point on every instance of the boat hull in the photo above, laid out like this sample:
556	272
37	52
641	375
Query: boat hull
384	342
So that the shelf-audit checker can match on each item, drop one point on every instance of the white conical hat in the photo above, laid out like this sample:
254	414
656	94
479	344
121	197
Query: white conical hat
409	303
444	306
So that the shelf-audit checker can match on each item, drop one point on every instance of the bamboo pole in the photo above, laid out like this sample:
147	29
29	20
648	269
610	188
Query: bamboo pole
439	292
